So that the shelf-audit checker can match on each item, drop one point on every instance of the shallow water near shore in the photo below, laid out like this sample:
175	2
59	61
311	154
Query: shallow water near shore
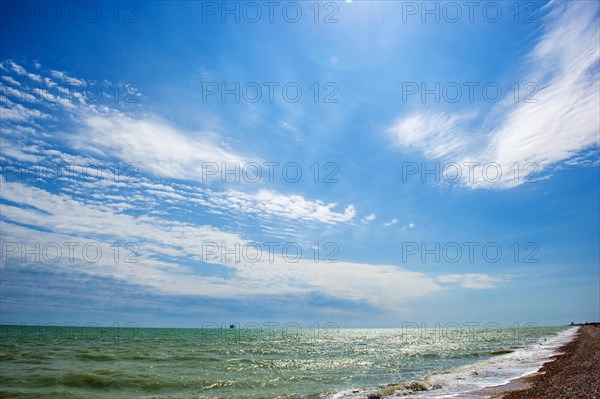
266	363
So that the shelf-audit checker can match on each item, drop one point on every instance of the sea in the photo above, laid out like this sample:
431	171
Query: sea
268	362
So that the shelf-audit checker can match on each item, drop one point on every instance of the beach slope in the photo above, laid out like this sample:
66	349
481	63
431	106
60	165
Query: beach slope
574	374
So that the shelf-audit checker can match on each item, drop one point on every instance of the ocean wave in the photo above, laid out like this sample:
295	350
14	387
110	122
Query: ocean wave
504	366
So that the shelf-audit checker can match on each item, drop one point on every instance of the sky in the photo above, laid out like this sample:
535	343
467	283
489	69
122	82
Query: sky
363	163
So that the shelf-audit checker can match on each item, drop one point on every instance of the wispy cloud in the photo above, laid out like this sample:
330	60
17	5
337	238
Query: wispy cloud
140	210
369	218
67	79
391	222
562	124
59	218
437	135
474	281
159	149
290	206
22	71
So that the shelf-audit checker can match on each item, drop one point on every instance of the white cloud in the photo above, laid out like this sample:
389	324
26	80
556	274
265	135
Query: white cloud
67	79
52	99
96	211
57	74
474	281
289	126
66	214
11	81
167	152
391	222
19	155
34	77
369	218
49	82
270	202
64	219
18	94
435	134
20	113
74	81
17	68
22	71
161	149
562	124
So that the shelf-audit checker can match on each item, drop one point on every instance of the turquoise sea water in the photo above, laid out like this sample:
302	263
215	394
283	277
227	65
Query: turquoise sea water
94	362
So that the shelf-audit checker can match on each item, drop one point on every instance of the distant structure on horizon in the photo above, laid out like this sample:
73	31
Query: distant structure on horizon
584	324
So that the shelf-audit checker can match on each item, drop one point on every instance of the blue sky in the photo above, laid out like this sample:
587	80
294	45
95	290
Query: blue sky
487	91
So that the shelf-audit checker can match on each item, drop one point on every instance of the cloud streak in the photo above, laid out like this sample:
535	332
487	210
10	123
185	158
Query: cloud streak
159	149
562	124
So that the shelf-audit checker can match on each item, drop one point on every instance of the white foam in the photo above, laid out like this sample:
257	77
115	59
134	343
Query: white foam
498	370
495	371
